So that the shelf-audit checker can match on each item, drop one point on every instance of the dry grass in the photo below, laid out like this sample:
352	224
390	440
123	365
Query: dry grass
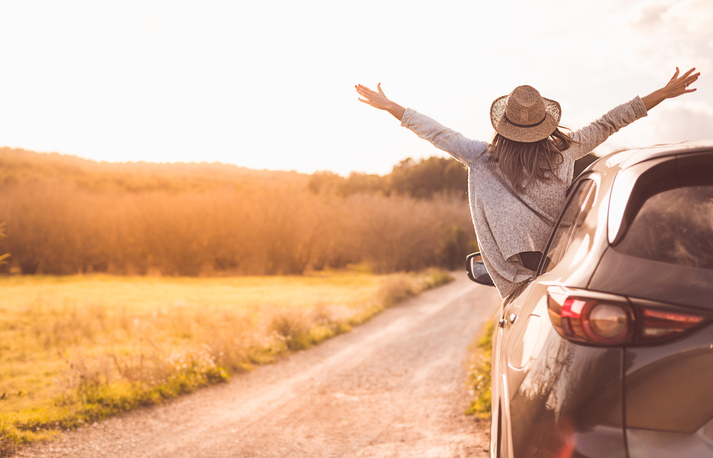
57	228
480	374
76	349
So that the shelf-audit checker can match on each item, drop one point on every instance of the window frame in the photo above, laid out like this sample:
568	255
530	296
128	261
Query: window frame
592	183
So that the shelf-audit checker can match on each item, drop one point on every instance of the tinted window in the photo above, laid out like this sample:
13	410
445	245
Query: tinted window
572	218
674	225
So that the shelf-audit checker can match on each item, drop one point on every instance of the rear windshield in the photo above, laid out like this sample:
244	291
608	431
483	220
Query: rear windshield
674	224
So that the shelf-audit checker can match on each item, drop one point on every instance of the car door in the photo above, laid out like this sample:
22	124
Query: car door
523	325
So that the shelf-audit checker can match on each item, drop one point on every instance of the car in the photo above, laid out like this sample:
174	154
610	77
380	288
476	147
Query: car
608	351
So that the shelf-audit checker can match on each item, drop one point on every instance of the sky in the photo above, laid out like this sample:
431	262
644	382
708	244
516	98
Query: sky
270	84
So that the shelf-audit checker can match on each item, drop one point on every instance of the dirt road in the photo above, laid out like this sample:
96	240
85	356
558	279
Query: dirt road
395	386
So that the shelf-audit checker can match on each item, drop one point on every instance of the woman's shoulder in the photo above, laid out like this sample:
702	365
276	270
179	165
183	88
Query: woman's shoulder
483	158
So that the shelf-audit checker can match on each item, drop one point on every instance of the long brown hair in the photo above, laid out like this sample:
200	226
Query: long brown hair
521	163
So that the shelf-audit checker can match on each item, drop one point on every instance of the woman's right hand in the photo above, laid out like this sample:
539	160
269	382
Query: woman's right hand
378	99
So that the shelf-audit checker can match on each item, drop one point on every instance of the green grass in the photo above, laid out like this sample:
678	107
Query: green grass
479	374
80	348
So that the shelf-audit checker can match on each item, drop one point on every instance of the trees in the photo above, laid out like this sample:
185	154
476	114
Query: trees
421	179
427	177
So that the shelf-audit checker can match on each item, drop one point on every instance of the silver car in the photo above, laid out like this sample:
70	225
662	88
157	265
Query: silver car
608	352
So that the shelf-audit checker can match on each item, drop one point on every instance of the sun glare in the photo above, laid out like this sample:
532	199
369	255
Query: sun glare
270	85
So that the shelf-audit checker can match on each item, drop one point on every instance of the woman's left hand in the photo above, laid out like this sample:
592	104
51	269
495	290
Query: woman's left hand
680	84
676	86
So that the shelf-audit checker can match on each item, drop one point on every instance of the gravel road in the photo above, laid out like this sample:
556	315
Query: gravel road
395	386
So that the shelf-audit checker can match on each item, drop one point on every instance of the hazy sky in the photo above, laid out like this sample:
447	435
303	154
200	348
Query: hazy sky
270	84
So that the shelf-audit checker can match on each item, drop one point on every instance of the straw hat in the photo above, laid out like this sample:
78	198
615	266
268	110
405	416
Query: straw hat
524	115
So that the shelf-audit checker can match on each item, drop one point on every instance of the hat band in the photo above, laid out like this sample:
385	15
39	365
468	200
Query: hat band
524	125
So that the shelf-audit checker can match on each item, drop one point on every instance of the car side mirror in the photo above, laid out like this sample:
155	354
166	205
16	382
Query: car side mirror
475	267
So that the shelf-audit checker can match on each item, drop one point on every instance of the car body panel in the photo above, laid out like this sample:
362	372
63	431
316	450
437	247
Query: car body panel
548	413
563	402
644	443
624	159
678	376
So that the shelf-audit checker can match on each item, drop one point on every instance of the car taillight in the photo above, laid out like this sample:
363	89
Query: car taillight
609	320
661	324
603	320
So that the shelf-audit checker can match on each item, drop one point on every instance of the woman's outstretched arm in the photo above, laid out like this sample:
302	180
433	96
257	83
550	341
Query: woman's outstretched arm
597	132
455	144
379	100
678	85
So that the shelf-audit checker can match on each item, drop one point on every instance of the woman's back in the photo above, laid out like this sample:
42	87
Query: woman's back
508	221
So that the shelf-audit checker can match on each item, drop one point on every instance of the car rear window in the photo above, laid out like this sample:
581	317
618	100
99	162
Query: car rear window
674	224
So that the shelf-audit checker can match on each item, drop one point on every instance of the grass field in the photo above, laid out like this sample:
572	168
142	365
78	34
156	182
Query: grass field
79	348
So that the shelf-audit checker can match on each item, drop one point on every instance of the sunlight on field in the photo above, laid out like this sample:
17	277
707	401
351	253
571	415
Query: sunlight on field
139	294
43	315
77	348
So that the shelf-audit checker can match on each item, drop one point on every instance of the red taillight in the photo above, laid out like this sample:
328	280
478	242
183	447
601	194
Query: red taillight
610	320
661	324
603	320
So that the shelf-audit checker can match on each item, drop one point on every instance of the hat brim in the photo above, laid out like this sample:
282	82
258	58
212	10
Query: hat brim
553	113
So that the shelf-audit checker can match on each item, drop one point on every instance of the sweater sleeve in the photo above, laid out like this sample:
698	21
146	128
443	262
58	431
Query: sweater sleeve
596	133
463	149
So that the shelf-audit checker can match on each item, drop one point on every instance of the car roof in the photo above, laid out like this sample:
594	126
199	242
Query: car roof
630	157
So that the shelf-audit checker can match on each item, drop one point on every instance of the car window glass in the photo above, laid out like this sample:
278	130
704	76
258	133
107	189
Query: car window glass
572	218
674	226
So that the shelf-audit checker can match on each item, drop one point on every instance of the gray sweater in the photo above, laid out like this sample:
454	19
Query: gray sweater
504	226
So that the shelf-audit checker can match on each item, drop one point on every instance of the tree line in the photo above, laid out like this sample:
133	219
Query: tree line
421	179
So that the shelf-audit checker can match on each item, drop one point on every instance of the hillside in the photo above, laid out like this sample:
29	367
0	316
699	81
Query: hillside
22	165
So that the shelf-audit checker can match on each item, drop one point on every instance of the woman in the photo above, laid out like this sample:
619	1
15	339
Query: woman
517	183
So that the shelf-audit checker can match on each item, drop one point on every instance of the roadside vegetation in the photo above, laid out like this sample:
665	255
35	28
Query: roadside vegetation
67	215
479	374
76	349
